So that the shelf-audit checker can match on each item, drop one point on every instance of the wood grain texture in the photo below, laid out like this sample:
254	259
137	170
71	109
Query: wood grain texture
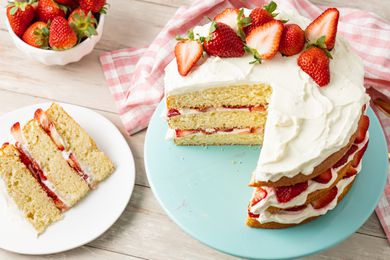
144	230
81	253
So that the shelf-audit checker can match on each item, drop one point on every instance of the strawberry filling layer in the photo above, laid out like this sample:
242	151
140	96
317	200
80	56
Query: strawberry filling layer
177	112
49	128
39	175
183	133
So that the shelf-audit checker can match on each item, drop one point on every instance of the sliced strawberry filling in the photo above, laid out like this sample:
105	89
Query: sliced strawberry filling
175	112
344	159
183	133
287	193
358	156
259	194
325	199
324	177
252	215
38	174
364	123
49	128
72	161
350	172
259	108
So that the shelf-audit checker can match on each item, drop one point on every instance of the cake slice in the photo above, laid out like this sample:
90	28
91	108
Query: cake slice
80	149
55	172
26	191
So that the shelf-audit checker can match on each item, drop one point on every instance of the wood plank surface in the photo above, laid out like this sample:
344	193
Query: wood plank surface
144	231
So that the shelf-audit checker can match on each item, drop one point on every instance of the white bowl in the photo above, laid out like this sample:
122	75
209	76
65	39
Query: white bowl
50	57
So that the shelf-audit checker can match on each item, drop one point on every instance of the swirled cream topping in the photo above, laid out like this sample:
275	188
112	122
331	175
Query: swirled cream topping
305	123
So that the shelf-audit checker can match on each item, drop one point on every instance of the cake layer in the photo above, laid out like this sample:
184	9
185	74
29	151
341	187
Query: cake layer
82	146
36	206
240	118
243	95
60	177
343	187
235	137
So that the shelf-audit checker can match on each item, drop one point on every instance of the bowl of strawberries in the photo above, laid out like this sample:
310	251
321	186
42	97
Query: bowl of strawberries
56	32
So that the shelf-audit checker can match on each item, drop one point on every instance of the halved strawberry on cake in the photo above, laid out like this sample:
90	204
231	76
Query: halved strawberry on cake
272	77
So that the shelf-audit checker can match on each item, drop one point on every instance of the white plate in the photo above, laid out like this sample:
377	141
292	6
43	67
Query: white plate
95	213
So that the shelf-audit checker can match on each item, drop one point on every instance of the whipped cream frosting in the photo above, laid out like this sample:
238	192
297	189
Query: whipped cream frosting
305	123
271	199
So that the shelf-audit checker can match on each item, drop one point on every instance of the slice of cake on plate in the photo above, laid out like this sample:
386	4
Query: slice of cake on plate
55	172
272	77
27	191
52	166
79	148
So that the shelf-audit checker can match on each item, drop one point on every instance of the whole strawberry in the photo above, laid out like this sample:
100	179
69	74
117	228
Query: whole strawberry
48	9
20	15
223	41
94	6
71	4
235	18
292	41
65	2
62	36
83	24
260	16
37	35
315	62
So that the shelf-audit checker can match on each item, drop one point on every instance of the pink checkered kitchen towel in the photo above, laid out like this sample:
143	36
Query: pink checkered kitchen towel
135	76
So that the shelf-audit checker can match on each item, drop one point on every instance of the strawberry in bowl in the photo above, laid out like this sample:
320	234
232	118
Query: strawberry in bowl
56	32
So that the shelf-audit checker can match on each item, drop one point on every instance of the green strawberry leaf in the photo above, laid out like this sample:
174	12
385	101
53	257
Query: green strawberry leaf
271	7
256	55
13	10
190	34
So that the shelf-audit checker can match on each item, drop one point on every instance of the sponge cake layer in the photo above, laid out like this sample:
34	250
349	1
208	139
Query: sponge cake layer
231	96
37	207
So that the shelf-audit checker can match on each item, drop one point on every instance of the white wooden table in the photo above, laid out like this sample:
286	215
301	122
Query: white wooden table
144	231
